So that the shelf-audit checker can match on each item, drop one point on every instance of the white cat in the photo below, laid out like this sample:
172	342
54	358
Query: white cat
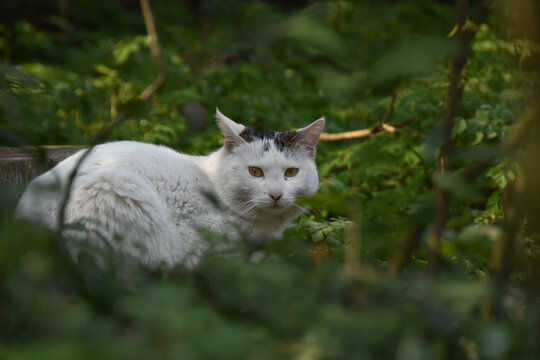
151	201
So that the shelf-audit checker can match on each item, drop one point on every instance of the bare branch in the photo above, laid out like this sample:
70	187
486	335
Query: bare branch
397	262
355	134
465	36
362	133
502	254
156	52
389	128
521	131
389	109
517	206
122	115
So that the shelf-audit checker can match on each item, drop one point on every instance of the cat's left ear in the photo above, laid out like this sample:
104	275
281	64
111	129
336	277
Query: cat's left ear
230	130
308	137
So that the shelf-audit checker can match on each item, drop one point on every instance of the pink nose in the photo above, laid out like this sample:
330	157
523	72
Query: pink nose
275	195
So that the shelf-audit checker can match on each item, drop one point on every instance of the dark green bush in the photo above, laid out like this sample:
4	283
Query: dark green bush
323	292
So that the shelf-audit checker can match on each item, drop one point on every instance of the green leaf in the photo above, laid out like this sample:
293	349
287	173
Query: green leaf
454	183
460	126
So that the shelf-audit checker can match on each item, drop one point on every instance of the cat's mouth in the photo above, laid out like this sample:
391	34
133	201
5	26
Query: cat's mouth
276	206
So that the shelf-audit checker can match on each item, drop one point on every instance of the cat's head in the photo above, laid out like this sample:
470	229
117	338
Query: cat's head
262	173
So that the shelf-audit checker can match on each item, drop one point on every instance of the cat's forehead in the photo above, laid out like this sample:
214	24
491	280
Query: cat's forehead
266	152
281	141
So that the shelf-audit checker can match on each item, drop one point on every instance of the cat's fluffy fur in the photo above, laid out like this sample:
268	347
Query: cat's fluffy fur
151	201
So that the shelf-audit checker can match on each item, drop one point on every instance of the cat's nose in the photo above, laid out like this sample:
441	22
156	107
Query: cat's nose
275	195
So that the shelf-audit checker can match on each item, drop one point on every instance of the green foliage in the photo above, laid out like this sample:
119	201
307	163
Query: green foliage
274	66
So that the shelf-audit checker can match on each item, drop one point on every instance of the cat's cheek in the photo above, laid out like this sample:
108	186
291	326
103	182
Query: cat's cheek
241	194
308	185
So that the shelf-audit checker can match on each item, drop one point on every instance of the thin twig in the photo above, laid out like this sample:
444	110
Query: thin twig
389	109
348	135
156	52
517	55
397	262
122	115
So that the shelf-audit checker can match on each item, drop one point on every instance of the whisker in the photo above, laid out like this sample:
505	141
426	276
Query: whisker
245	209
295	210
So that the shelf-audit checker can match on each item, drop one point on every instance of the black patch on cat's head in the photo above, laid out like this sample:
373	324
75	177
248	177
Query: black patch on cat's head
281	140
251	134
285	139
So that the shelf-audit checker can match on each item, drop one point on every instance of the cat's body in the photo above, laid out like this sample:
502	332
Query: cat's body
154	201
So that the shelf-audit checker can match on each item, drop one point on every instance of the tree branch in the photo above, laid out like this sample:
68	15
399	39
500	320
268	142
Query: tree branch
397	263
156	52
517	206
362	133
122	115
348	135
465	36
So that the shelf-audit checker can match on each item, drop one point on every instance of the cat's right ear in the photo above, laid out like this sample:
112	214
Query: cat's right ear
230	130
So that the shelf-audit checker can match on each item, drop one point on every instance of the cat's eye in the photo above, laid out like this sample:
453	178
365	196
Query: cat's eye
290	172
255	171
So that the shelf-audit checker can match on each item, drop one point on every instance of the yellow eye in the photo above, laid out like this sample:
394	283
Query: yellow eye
290	172
255	171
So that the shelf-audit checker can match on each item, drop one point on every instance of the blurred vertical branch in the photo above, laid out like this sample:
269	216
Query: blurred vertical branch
513	211
352	267
398	261
464	35
464	32
520	201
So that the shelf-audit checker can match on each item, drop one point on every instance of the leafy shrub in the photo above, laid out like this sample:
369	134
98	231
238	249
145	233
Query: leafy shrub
323	291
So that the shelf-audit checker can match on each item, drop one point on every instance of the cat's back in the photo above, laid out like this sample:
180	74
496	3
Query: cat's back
123	162
148	194
147	160
125	170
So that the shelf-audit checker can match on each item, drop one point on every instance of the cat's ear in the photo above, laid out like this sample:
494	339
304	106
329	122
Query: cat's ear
230	130
308	137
